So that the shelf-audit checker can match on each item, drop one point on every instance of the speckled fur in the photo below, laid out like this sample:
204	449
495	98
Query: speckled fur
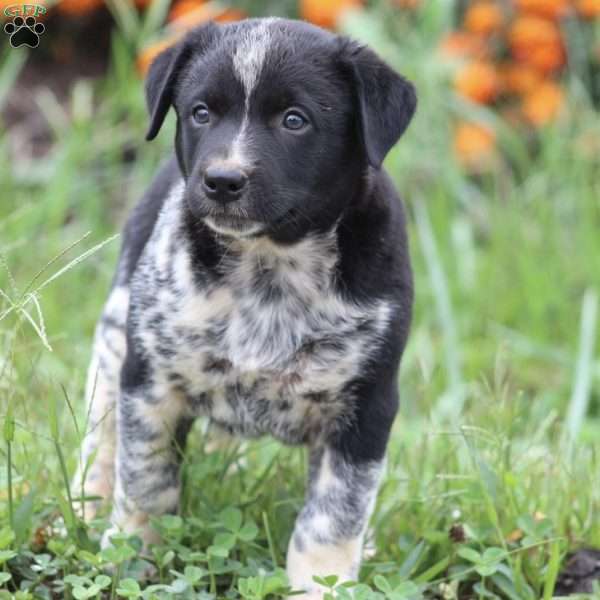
269	338
266	349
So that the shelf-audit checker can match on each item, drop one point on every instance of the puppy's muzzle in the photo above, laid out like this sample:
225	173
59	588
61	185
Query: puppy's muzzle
224	184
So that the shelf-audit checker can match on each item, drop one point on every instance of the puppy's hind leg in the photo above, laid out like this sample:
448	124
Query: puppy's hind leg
152	425
95	472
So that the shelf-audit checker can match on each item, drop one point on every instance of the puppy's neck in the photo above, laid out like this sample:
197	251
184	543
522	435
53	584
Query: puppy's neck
314	256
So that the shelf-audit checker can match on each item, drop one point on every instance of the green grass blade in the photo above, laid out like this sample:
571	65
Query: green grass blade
154	19
582	384
552	571
8	431
451	404
126	16
75	262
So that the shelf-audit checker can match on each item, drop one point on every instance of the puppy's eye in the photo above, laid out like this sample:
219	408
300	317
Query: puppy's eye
201	114
294	120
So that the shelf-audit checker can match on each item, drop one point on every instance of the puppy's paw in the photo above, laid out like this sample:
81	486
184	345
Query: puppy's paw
143	530
307	559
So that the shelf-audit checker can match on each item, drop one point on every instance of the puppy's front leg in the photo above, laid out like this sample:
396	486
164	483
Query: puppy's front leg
152	426
328	535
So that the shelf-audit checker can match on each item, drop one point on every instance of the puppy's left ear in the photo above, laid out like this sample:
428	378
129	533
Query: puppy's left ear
386	101
165	70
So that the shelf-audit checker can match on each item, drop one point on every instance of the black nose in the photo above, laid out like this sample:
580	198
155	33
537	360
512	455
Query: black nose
224	184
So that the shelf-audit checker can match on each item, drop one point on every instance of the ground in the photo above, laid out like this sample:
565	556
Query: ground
493	474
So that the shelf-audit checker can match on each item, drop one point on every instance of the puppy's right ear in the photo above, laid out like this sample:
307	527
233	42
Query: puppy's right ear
165	70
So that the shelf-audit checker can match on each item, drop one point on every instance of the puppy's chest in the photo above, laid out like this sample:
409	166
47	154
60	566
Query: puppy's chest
269	348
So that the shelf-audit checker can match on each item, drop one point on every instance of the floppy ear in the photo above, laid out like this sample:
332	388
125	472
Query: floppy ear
165	70
386	103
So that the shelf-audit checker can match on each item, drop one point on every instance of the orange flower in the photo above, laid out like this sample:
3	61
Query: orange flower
183	8
588	9
325	13
189	13
543	104
519	78
230	14
78	8
148	54
484	18
547	59
474	144
550	9
537	42
459	44
478	81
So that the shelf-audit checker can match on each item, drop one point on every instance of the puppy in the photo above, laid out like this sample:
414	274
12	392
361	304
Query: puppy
264	281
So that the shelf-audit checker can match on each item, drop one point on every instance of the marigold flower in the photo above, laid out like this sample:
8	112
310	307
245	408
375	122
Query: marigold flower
181	9
537	42
189	13
549	9
78	8
183	16
478	81
543	104
547	59
484	18
474	144
325	13
519	78
460	44
588	9
229	15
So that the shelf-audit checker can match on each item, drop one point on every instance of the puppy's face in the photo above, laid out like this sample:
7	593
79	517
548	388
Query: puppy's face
273	125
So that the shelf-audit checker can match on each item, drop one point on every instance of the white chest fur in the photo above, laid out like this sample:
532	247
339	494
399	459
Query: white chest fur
269	347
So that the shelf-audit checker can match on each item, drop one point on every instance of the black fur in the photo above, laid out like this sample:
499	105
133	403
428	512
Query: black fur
298	293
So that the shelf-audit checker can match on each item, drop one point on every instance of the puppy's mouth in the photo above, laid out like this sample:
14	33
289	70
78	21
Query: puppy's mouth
233	225
227	220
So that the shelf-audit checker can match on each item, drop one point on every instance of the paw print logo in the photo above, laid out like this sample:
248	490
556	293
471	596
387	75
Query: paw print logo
24	32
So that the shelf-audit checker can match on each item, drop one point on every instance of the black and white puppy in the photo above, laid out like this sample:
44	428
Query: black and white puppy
264	280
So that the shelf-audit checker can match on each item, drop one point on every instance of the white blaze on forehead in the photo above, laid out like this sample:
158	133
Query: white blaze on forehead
250	53
248	60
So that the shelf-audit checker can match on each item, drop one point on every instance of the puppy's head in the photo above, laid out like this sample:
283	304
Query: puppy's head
277	123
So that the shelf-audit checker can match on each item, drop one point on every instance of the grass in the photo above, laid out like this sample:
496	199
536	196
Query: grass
493	472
